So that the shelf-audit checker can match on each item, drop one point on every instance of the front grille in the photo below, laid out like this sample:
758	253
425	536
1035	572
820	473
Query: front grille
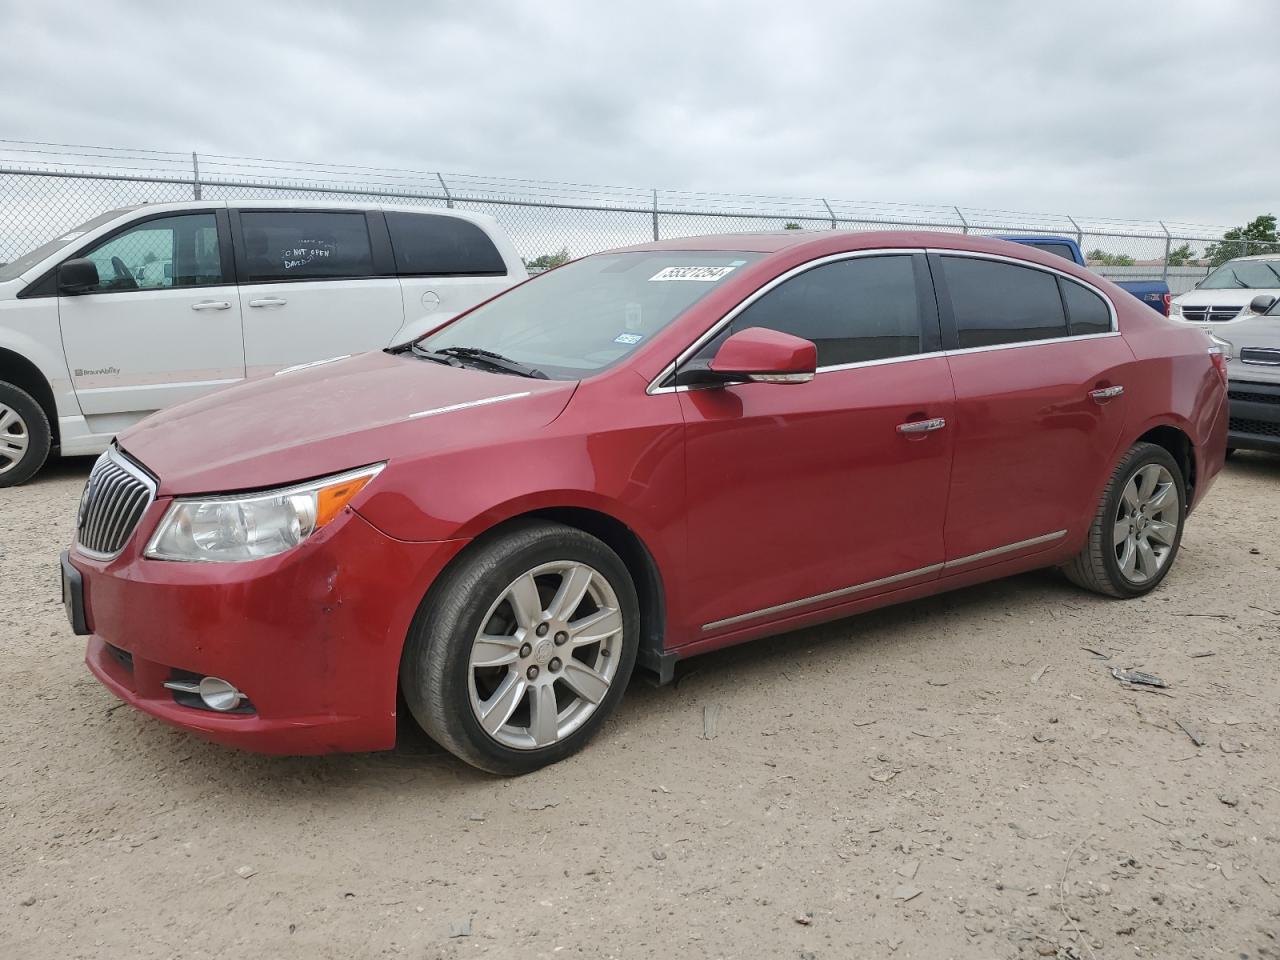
1261	427
1263	355
1248	396
117	494
1214	314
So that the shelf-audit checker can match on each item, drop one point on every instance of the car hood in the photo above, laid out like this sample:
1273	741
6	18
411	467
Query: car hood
323	418
1229	296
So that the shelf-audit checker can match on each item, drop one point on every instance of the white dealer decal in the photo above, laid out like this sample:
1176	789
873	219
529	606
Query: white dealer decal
705	274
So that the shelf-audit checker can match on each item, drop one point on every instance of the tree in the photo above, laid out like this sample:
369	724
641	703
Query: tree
1181	255
549	261
1257	236
1102	258
791	225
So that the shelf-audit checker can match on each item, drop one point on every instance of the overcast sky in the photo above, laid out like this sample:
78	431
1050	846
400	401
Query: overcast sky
1119	109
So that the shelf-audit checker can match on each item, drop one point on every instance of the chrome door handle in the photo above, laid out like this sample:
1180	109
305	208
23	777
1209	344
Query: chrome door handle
1104	394
922	426
211	305
268	302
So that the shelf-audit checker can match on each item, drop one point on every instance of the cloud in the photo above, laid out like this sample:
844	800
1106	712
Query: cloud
1145	110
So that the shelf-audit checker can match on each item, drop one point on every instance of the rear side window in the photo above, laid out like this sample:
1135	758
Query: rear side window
305	245
427	245
1086	311
996	302
855	310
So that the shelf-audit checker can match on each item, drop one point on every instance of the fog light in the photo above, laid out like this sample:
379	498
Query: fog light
214	693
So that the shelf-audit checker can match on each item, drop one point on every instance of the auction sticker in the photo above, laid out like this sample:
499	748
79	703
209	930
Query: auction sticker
705	274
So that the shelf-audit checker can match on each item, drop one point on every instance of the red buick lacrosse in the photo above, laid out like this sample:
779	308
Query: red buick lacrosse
641	456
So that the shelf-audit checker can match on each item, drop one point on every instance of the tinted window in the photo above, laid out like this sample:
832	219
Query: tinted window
998	302
855	310
432	246
179	251
1087	311
1059	249
305	245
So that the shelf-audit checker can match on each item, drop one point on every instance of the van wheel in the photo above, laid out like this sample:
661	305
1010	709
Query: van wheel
24	435
1136	532
523	647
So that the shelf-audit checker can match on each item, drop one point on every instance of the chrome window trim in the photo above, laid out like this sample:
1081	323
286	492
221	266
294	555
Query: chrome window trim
654	386
122	460
885	581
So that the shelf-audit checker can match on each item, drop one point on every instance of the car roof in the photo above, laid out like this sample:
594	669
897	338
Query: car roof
1254	256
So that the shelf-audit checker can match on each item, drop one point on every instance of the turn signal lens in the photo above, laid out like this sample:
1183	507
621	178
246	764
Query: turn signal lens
331	500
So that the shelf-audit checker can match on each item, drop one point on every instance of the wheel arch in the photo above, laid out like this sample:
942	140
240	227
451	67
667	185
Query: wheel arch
22	373
1179	445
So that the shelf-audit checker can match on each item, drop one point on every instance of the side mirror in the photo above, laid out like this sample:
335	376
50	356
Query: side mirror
1261	303
77	276
756	355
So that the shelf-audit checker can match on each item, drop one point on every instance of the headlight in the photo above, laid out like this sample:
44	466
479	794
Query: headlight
1224	345
254	525
1175	309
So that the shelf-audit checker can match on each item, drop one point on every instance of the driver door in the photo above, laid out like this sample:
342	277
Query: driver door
163	324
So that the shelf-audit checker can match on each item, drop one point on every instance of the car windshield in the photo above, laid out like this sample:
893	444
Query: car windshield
28	260
1244	275
589	315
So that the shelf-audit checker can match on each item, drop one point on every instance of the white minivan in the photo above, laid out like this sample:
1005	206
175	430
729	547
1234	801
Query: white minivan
142	308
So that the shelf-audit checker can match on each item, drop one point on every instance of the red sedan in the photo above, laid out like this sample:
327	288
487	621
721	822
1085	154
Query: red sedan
638	457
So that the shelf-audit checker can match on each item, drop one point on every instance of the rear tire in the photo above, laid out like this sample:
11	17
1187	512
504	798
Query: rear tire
523	647
1137	529
25	437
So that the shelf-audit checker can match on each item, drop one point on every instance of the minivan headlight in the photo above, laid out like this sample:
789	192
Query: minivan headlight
253	525
1175	309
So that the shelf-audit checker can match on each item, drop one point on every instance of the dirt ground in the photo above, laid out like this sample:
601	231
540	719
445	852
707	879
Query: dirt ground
959	777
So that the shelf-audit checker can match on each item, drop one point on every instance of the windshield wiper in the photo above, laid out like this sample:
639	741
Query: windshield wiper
494	360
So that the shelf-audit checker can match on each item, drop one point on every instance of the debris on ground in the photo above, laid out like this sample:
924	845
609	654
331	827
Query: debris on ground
1039	673
906	892
710	720
244	873
804	919
1138	677
460	929
1097	653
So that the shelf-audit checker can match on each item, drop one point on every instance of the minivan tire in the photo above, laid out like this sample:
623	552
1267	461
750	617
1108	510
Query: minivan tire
441	684
1098	566
21	416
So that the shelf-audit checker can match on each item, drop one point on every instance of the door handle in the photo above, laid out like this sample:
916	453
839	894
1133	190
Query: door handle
922	426
211	305
1103	394
268	302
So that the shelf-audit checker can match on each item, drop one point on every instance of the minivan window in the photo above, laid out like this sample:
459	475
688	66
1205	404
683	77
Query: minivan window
177	251
1086	311
855	310
996	302
22	264
585	316
427	245
305	245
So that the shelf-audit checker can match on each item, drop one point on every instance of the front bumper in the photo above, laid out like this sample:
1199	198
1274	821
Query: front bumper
1255	415
312	637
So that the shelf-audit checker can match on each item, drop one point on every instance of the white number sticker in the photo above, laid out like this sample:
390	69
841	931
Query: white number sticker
705	274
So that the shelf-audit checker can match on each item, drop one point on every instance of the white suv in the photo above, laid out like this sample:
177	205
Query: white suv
143	308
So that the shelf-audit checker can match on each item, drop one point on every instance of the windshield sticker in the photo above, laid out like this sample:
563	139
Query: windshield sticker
705	274
628	338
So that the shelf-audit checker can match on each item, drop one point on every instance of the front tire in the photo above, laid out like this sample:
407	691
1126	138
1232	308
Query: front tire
24	435
1137	530
523	648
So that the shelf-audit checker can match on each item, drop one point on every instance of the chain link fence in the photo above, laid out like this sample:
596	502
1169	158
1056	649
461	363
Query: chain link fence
47	189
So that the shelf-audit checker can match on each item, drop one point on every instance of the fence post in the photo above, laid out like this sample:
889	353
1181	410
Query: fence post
448	197
195	176
1167	241
963	221
830	213
655	214
1079	235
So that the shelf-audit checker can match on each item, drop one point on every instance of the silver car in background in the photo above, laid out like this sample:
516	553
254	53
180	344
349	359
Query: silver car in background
1252	342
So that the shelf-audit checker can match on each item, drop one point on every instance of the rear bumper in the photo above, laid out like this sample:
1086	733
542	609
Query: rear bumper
312	637
1255	416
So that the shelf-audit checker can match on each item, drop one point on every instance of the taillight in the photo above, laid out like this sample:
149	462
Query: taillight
1219	358
1167	299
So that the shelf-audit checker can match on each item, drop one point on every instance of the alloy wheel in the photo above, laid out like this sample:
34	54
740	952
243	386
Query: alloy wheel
14	438
1146	523
546	655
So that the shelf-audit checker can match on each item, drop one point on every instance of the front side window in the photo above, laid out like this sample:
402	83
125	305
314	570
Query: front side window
996	303
305	245
178	251
1244	275
590	314
855	310
429	245
31	258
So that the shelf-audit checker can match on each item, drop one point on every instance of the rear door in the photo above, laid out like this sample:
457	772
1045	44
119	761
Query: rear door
1039	372
163	325
314	284
802	496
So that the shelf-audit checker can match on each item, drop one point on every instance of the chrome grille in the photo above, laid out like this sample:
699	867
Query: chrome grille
115	497
1214	314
